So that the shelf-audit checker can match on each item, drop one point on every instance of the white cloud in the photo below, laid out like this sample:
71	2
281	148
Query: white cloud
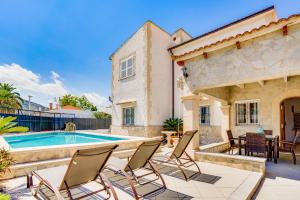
101	102
29	83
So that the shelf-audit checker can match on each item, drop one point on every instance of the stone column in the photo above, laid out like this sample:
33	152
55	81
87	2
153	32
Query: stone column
225	121
191	117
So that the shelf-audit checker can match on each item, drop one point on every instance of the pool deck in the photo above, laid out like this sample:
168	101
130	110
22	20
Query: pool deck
216	182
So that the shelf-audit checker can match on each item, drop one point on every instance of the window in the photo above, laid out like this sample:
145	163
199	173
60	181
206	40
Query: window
204	115
127	67
247	112
128	116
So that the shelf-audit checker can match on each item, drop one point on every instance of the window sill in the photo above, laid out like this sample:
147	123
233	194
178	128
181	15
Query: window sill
205	124
247	125
132	125
128	77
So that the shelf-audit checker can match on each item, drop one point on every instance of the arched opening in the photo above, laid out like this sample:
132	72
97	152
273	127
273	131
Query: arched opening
289	118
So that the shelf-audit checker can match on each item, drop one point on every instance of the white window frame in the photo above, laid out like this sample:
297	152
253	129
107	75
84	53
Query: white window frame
132	116
247	114
207	121
125	68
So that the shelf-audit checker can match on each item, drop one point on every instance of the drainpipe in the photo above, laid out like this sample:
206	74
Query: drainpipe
173	87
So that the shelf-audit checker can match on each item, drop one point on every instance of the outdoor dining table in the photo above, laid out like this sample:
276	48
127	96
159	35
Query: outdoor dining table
270	139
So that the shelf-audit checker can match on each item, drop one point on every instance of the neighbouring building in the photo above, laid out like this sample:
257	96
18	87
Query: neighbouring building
26	105
241	76
71	110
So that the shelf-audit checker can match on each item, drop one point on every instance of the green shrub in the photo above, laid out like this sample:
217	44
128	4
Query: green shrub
102	115
7	125
173	124
6	160
4	197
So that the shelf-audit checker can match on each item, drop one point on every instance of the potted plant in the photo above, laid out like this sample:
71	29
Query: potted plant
171	127
7	125
173	124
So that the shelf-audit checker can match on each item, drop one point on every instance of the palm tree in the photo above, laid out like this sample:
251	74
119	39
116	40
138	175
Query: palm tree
8	126
9	98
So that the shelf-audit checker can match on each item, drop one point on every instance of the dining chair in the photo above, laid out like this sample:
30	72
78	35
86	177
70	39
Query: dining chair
232	142
256	143
289	147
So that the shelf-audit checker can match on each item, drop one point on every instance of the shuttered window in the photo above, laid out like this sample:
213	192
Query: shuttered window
247	112
127	67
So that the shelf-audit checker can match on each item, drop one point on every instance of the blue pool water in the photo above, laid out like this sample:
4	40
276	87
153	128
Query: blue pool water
56	138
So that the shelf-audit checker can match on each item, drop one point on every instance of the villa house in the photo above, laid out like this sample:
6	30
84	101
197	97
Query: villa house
241	76
142	81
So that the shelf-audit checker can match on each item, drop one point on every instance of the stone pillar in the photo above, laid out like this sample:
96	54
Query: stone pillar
191	117
225	121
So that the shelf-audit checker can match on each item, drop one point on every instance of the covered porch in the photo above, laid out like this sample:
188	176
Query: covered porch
270	104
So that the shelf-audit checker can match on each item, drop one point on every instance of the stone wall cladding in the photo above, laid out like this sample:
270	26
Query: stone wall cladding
240	162
209	134
137	131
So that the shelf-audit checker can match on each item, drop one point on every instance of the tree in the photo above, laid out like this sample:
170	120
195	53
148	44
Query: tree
81	102
68	100
9	98
85	104
102	115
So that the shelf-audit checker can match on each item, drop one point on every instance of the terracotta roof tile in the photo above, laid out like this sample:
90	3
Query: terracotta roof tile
238	35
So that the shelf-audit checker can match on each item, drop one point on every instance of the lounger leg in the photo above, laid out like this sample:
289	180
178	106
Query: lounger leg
294	157
179	167
158	174
110	186
193	162
68	190
129	179
35	191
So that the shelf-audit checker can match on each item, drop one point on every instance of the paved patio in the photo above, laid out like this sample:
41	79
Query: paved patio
282	180
215	182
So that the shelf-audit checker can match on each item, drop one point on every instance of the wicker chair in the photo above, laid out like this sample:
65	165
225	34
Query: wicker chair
232	141
268	132
289	147
256	143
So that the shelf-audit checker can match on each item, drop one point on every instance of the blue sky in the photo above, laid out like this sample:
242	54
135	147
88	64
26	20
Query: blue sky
63	46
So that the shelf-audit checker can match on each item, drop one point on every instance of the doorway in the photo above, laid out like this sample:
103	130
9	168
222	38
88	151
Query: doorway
288	115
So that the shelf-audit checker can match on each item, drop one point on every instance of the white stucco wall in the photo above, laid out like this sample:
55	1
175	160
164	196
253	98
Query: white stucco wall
160	106
132	87
180	86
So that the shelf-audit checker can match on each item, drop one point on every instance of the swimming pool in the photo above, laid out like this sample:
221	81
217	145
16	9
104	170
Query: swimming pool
56	138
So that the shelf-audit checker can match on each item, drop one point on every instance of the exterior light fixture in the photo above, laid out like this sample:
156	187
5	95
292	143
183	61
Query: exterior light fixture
183	68
184	72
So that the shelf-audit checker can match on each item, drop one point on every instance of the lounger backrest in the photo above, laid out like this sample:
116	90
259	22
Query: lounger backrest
143	154
85	165
183	143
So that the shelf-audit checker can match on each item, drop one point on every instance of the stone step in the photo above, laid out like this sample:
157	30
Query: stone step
248	188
